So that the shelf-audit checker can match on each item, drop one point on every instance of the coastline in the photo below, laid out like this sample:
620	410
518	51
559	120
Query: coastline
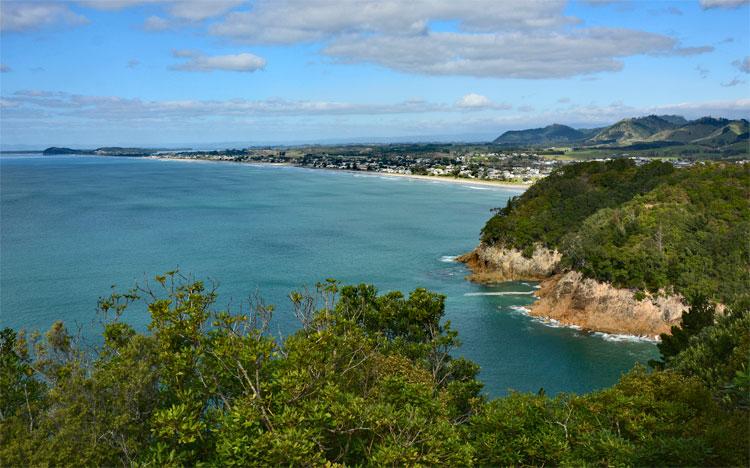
199	160
570	300
447	180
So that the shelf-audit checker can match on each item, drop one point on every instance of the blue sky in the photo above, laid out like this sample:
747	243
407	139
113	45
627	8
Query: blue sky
199	72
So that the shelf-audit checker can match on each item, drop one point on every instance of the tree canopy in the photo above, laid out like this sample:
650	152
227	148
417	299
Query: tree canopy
648	227
367	379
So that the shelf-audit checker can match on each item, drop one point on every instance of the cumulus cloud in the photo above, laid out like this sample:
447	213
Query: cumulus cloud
24	16
199	62
186	10
708	4
5	68
156	23
473	101
290	21
197	10
743	65
112	5
506	55
509	39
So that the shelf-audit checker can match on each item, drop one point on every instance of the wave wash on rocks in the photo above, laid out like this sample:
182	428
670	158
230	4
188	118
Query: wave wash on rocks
570	298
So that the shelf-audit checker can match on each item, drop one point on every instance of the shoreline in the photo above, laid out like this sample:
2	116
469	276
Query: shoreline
447	180
569	300
612	337
259	163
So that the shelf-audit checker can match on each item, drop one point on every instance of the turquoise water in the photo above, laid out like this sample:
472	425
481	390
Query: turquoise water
72	226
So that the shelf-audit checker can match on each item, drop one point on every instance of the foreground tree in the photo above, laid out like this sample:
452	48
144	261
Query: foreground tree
367	379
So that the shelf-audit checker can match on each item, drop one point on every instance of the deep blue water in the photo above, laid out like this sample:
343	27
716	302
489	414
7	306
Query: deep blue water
72	226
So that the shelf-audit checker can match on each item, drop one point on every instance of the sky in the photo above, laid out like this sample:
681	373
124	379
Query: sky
222	73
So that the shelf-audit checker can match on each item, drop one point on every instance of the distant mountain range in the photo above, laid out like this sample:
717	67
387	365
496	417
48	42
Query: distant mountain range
652	130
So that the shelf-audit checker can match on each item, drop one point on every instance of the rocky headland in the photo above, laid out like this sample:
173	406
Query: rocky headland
571	299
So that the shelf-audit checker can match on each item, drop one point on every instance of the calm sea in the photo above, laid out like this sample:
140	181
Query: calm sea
73	226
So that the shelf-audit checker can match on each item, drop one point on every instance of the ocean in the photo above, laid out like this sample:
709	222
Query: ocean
71	227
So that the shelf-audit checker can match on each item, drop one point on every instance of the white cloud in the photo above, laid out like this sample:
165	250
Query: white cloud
743	65
290	21
112	5
509	39
20	16
506	55
197	10
73	106
739	108
57	117
67	108
156	23
5	68
198	62
708	4
473	101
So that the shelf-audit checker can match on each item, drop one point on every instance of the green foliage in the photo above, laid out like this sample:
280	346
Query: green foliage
718	355
649	228
700	315
646	419
559	203
368	379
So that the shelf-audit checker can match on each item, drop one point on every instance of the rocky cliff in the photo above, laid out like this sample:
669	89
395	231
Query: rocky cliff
574	300
492	264
570	298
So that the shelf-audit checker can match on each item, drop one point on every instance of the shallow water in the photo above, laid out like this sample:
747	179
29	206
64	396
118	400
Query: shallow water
72	226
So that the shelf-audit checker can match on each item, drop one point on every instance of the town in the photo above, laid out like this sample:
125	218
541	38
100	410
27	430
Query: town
480	162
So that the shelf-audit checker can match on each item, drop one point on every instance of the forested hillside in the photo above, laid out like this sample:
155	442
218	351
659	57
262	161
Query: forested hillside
652	131
367	380
650	227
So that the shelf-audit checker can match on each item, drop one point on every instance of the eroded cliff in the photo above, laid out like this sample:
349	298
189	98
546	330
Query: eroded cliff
570	298
492	264
574	300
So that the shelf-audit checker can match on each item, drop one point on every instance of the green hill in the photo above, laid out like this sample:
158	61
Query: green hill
650	227
632	130
549	135
642	133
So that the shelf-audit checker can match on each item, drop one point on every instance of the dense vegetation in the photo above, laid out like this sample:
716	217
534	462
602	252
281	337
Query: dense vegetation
650	227
368	379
